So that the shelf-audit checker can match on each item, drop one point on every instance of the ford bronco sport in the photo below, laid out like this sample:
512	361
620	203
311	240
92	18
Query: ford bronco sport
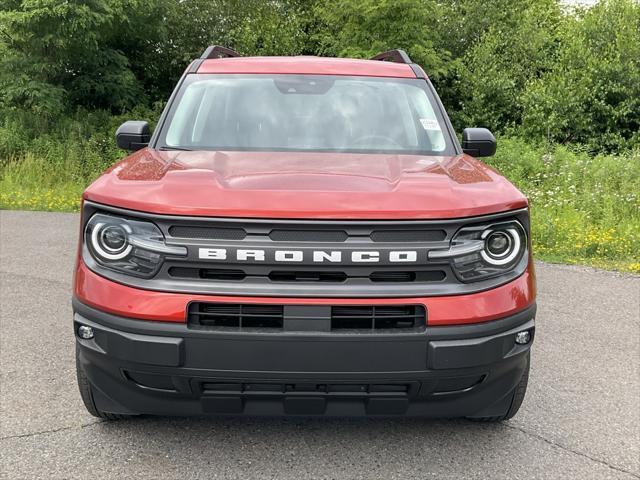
303	236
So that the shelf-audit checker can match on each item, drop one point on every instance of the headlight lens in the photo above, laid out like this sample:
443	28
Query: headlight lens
485	251
128	246
110	241
501	246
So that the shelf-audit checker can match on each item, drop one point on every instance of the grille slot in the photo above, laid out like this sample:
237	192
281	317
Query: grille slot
221	274
208	233
208	273
377	317
409	276
408	235
302	276
393	277
308	235
236	315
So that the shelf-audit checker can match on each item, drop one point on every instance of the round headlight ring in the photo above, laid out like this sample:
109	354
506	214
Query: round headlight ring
509	254
109	252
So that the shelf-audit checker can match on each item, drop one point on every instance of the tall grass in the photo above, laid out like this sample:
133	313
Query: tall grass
585	209
45	163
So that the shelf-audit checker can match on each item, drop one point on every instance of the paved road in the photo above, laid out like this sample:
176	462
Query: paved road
580	419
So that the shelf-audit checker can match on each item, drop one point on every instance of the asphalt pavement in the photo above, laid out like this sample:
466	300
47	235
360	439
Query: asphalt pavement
580	418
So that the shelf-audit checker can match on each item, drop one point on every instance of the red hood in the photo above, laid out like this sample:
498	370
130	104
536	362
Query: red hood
304	185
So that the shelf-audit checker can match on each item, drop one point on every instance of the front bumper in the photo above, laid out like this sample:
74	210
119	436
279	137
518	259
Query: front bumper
165	368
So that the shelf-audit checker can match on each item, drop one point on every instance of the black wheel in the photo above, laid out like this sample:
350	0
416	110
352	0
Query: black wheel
87	395
516	401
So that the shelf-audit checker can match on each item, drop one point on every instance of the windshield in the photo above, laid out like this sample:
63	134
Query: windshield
305	113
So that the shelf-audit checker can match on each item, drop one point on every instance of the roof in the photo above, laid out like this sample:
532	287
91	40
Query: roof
305	65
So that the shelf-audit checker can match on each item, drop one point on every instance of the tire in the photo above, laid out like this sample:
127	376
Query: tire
87	395
516	401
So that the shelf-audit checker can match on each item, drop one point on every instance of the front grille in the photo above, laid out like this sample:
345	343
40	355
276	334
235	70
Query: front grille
341	318
318	258
308	258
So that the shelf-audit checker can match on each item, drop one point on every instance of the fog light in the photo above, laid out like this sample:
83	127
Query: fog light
522	338
85	332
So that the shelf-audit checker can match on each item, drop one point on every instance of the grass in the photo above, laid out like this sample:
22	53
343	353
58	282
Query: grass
35	183
585	209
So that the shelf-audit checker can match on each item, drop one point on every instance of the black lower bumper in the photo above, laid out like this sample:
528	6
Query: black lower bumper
160	368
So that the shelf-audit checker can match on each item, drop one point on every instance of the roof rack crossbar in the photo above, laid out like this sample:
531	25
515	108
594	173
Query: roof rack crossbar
397	56
218	51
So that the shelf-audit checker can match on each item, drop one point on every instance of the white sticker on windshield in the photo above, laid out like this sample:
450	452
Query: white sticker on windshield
430	124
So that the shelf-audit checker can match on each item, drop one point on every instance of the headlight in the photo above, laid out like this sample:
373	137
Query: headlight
501	245
129	246
484	251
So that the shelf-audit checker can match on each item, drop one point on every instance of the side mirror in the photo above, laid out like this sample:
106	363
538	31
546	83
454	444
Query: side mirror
133	135
478	142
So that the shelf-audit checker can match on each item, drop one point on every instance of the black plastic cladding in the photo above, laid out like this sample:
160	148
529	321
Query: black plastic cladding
284	279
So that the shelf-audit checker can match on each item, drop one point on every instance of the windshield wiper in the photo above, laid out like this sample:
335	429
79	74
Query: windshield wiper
182	149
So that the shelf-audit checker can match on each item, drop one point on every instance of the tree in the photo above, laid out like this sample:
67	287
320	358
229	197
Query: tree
495	70
56	53
362	28
116	54
592	93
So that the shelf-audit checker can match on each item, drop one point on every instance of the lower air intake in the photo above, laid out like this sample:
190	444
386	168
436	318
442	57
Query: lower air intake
377	317
339	318
235	315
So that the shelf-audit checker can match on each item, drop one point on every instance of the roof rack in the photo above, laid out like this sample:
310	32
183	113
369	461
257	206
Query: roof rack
397	56
217	51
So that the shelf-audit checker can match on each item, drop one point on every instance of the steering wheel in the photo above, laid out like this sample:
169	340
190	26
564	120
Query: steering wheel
380	138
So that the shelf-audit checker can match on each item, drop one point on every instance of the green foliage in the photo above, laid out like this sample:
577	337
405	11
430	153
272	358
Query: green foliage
58	53
72	149
584	208
592	95
496	70
526	67
253	27
362	28
117	54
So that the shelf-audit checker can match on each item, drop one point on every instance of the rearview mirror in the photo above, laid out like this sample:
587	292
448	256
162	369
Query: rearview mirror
133	135
478	142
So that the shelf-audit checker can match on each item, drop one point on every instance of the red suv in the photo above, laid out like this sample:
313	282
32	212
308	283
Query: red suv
303	236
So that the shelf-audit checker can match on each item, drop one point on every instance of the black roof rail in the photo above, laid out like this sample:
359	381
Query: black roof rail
217	51
397	56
